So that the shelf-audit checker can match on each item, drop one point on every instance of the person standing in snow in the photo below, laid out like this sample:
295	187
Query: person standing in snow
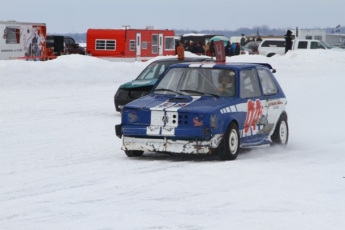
243	40
212	50
228	50
180	51
207	49
288	40
238	48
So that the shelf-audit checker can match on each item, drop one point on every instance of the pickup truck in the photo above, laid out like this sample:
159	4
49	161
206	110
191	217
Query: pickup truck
59	44
273	46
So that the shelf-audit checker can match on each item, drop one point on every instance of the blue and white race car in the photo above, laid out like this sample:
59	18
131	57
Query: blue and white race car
207	108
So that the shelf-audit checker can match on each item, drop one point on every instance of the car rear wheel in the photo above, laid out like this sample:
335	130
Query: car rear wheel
134	153
281	133
229	146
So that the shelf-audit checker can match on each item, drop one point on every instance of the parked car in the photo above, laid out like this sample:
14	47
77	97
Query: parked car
55	45
73	47
193	109
250	48
272	46
59	45
195	37
142	85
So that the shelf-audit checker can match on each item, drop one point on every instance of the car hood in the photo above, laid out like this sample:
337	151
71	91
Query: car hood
181	103
138	83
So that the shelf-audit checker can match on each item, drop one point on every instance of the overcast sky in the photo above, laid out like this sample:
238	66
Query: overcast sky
66	16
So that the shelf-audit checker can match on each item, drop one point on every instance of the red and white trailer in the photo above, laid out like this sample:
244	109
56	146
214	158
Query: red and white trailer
127	44
22	40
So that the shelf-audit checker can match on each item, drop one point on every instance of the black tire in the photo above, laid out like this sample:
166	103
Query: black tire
271	54
230	145
134	153
281	132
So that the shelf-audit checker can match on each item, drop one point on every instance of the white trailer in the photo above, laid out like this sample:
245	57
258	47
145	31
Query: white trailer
22	40
336	40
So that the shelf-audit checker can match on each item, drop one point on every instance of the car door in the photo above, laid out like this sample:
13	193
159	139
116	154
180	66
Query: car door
252	97
271	104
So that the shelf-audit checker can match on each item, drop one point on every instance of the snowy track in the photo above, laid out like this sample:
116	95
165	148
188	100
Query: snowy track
61	165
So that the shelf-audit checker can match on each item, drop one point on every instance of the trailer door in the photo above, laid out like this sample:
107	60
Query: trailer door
160	44
138	44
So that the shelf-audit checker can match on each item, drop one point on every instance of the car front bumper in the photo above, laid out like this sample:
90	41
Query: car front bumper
171	146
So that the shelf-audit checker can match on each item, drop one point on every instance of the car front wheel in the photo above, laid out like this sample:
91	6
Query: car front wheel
229	147
133	153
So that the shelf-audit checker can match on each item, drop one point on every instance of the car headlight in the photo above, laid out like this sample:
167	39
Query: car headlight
213	121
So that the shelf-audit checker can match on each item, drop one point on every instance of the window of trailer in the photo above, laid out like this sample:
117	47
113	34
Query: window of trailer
169	43
154	43
132	45
105	44
12	35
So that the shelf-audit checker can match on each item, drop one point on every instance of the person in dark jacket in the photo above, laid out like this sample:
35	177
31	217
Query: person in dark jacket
186	45
192	46
228	50
238	48
243	40
198	49
212	50
234	47
288	40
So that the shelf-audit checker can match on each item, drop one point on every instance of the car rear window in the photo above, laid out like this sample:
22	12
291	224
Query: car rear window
273	43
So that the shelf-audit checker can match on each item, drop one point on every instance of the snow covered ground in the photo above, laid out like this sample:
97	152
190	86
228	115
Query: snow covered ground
61	165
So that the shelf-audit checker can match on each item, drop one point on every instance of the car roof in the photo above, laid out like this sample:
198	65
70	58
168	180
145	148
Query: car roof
273	39
254	43
222	65
186	59
55	35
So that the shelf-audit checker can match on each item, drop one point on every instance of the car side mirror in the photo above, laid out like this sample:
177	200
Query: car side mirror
274	70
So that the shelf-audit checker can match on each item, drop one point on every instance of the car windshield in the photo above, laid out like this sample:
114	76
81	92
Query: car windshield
154	70
198	82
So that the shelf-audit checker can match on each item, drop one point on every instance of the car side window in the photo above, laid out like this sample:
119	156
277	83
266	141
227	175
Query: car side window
302	45
161	70
249	84
268	86
150	71
273	43
316	45
68	41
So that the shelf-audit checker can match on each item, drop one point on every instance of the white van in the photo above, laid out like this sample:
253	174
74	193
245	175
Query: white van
272	46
